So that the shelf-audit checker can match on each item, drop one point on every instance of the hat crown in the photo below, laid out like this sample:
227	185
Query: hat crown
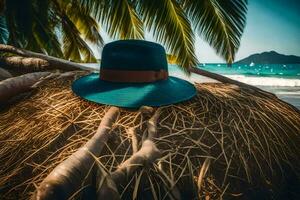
135	55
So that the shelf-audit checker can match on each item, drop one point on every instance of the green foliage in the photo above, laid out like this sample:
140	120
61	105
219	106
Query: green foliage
121	20
57	27
3	31
63	27
220	23
170	26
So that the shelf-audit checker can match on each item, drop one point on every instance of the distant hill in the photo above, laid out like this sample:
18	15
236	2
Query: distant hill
271	57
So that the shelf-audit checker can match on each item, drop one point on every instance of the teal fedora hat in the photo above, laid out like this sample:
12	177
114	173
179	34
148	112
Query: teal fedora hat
133	73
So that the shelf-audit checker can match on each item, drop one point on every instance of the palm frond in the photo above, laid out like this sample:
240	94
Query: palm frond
220	23
171	27
3	31
12	38
43	29
86	24
73	45
30	25
47	40
18	15
33	24
33	44
119	19
92	6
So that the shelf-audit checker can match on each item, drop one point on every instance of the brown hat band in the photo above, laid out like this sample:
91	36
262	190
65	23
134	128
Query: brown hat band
129	76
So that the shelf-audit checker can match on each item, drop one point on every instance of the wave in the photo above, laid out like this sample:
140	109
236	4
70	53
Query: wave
290	93
266	81
252	80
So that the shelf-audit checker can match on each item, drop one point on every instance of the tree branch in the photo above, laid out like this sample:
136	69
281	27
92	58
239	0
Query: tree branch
16	85
60	63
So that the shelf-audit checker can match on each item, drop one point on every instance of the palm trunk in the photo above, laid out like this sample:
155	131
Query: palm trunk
58	62
23	63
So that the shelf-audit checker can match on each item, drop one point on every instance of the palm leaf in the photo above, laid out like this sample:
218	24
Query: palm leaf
47	40
220	23
30	25
44	29
118	17
18	15
3	31
86	24
73	45
92	6
170	26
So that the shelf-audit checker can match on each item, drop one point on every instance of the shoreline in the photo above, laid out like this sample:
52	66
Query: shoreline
289	94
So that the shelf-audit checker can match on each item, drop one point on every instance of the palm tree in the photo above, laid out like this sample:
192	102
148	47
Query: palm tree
39	24
59	28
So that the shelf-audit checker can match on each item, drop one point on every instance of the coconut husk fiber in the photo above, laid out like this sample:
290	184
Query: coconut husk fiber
225	143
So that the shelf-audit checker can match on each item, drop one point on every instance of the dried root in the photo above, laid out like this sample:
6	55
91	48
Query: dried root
67	177
146	155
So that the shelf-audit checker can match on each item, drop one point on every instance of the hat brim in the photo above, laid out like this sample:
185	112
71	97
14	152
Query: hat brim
133	95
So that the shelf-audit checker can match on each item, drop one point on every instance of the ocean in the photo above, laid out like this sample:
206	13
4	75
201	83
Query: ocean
281	79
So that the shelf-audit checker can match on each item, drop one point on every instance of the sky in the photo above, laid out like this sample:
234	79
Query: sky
271	25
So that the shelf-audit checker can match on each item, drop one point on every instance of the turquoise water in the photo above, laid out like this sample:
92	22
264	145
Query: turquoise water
260	75
271	70
282	80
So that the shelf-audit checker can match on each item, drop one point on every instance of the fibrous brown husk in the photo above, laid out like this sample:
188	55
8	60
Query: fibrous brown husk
225	142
